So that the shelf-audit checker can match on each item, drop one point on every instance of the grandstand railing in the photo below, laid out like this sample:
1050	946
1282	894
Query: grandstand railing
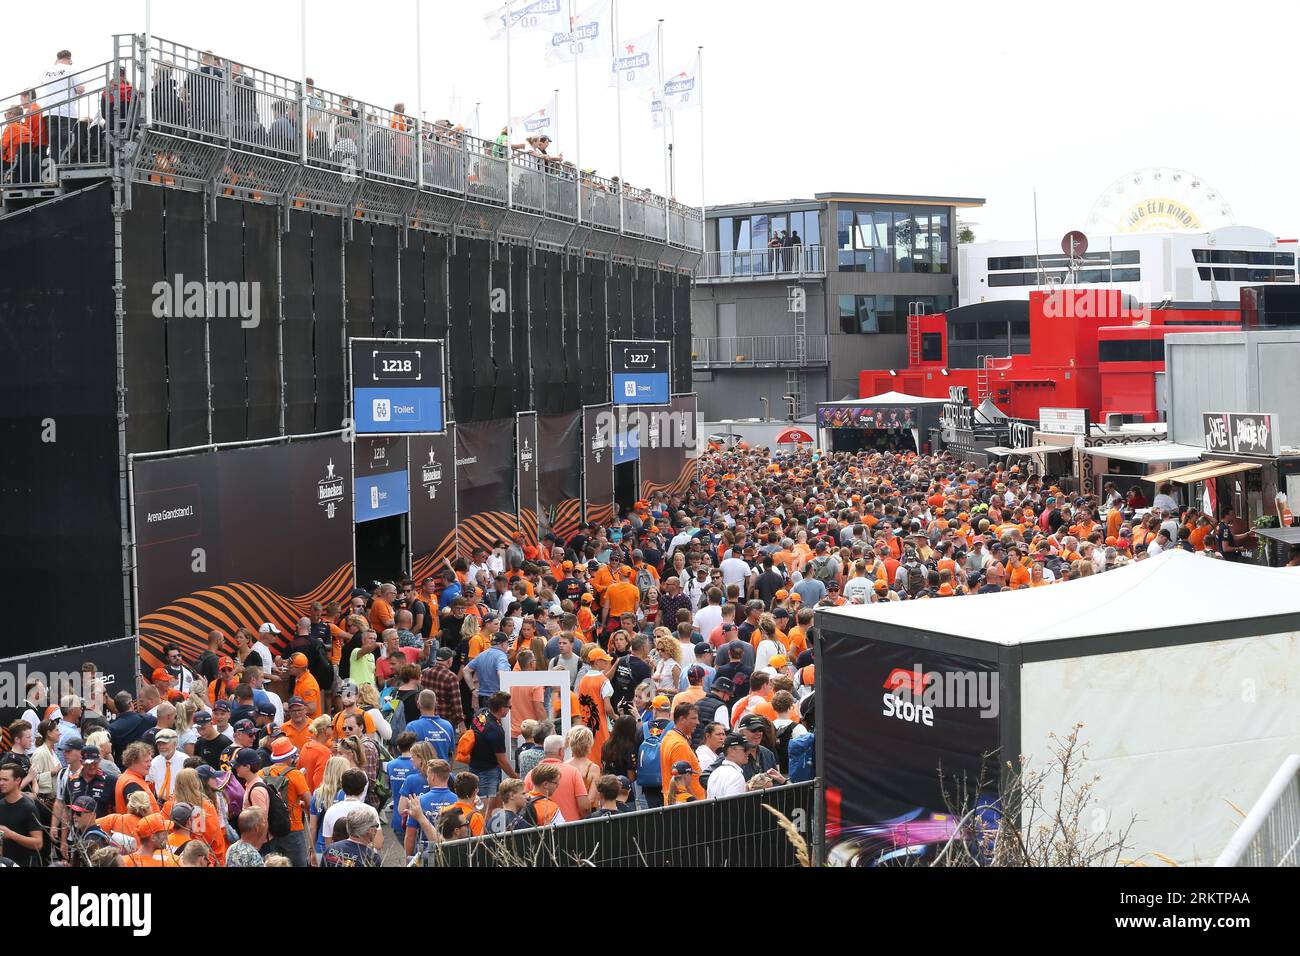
175	115
732	831
1270	834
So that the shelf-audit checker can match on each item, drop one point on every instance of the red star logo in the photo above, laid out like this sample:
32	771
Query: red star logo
630	48
541	112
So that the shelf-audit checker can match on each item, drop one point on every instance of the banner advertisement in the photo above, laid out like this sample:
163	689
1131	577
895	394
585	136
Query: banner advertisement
485	484
866	416
238	538
559	479
433	501
526	480
598	464
112	669
919	744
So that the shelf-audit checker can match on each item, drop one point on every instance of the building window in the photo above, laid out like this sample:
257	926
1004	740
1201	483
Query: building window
893	239
1242	257
1131	350
867	314
931	347
1120	257
1226	274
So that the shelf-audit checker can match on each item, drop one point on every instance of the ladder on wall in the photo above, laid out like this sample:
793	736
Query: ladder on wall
795	385
982	378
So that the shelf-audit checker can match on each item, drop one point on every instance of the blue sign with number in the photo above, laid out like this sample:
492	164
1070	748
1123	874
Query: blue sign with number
382	496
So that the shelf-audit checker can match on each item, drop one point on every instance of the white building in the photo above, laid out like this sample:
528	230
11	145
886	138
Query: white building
1153	267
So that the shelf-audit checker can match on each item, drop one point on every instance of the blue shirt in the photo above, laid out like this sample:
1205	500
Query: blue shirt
486	667
414	785
399	768
708	677
437	732
433	802
449	594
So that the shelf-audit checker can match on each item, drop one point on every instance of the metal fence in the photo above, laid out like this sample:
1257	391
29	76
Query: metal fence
784	262
179	116
755	350
1270	834
732	831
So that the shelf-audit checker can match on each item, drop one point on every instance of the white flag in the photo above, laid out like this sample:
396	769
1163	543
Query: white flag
656	108
546	15
682	90
586	37
636	61
542	121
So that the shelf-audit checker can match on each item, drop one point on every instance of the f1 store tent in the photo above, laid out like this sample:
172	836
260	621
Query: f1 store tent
1182	669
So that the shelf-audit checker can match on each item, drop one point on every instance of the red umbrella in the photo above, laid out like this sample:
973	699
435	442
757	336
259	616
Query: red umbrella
793	436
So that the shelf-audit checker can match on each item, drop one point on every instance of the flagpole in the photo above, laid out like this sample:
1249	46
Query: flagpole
664	125
577	128
419	101
618	82
699	80
510	117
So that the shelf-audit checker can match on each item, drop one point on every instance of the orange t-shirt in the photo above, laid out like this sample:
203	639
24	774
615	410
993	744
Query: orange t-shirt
1019	577
299	736
380	612
1197	538
296	786
312	757
797	640
623	598
592	700
341	716
158	858
307	688
675	747
471	815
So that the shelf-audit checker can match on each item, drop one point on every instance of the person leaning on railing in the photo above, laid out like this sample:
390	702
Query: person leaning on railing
21	162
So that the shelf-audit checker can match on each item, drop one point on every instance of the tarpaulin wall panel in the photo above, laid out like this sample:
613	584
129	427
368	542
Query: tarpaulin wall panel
520	346
262	341
485	484
187	375
62	522
357	282
573	372
327	310
225	338
460	346
299	347
593	339
620	308
480	320
411	272
435	287
663	293
643	305
383	279
433	501
681	348
145	357
665	465
597	466
559	442
227	502
499	313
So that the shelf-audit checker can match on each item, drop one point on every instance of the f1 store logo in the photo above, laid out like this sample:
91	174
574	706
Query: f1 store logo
911	710
911	680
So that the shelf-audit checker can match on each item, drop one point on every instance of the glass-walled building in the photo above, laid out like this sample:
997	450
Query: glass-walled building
794	298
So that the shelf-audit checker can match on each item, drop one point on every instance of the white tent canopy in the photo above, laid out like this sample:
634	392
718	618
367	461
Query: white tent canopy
888	398
1173	589
1148	453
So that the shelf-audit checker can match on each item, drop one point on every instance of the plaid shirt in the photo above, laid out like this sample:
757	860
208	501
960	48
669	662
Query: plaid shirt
443	682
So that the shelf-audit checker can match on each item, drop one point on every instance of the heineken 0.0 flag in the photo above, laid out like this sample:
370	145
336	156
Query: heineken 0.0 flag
586	36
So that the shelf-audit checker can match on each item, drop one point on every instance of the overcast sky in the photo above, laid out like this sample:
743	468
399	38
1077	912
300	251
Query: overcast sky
949	98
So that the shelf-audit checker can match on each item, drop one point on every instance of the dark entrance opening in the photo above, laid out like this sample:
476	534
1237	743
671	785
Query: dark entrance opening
627	484
381	550
871	439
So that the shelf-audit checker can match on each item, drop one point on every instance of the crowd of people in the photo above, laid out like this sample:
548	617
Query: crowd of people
682	639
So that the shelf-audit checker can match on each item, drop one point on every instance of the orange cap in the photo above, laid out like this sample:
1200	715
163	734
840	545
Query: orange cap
298	660
160	673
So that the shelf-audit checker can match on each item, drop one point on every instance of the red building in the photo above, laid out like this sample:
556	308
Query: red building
1073	348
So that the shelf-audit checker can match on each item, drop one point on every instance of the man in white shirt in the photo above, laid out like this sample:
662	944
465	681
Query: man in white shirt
264	635
1164	501
680	540
709	616
57	96
169	762
729	779
479	564
736	570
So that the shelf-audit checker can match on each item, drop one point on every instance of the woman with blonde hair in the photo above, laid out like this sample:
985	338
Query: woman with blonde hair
321	800
580	741
205	823
472	631
647	611
104	744
127	824
368	702
667	673
186	732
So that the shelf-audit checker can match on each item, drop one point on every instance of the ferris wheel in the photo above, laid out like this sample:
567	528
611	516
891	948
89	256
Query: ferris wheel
1159	199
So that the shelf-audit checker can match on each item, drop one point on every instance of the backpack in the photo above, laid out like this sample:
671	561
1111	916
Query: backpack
527	817
801	756
783	738
649	773
382	788
398	720
823	569
705	774
916	578
644	579
465	746
277	809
